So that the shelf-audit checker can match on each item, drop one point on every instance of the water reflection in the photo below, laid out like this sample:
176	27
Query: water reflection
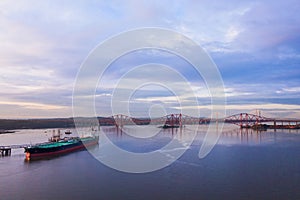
231	135
234	136
137	139
245	164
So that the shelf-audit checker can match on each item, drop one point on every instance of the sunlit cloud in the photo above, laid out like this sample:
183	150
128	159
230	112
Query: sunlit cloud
268	108
32	105
255	45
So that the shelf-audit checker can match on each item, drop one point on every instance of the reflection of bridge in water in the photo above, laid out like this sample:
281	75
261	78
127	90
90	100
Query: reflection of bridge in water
244	120
229	135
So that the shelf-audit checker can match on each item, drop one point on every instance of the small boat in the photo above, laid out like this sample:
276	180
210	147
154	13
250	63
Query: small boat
68	132
59	147
260	127
165	126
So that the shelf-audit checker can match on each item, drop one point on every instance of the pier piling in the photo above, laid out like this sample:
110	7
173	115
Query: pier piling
5	151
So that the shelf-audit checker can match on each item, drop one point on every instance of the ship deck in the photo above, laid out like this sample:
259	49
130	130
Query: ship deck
56	144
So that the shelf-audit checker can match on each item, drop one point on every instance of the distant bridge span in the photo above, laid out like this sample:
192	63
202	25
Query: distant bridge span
246	120
241	119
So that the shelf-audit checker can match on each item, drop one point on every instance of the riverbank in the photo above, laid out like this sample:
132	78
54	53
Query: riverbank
7	125
5	131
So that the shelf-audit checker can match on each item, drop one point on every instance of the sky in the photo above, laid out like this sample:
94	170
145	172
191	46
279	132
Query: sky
254	44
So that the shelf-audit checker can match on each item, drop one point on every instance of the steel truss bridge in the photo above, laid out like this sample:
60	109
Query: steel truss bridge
241	119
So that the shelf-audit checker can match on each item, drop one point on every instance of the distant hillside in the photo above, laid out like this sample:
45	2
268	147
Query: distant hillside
10	124
13	124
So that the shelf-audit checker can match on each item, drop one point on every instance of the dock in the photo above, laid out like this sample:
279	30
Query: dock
6	150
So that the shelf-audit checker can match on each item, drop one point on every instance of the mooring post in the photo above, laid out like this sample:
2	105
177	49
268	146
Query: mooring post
8	152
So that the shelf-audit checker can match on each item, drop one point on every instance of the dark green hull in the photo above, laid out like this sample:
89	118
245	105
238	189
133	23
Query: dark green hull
58	148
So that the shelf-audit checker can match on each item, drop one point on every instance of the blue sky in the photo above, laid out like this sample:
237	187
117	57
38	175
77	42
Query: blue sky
255	44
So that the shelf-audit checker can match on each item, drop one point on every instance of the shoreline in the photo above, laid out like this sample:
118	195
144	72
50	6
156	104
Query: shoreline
6	131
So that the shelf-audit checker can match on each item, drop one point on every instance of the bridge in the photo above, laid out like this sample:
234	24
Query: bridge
171	119
244	120
247	120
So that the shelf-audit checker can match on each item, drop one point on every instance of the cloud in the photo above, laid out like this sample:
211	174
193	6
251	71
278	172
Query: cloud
268	109
289	90
255	44
32	105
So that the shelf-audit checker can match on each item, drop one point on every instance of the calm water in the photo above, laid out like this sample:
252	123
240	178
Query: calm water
243	165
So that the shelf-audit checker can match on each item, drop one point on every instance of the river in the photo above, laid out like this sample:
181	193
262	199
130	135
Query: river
244	164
